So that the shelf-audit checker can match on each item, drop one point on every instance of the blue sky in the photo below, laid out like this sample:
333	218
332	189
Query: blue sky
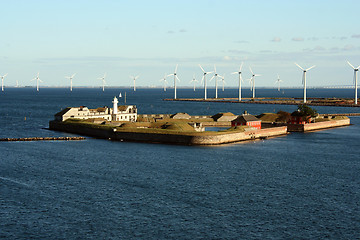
148	38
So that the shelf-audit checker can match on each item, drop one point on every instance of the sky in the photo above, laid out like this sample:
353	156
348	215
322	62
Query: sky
149	38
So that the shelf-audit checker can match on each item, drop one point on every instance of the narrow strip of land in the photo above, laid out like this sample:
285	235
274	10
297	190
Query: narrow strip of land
281	101
42	139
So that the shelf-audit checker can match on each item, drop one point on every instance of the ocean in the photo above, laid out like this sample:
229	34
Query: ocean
299	186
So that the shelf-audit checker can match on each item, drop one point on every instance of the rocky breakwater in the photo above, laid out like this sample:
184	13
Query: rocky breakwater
41	139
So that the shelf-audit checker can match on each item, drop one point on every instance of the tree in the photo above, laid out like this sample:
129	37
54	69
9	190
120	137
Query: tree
304	110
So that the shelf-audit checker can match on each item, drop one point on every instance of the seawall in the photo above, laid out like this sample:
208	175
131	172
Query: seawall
185	139
317	126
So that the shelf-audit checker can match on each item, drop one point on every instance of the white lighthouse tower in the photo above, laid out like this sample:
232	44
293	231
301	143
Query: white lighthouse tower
115	106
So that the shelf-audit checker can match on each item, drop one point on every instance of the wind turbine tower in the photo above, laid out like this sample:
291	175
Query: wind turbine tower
355	80
304	78
71	78
216	81
204	79
2	82
240	80
103	81
194	81
38	80
175	78
278	81
164	80
252	80
134	79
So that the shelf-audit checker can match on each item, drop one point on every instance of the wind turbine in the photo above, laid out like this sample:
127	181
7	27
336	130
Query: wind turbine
71	78
204	79
304	78
134	79
216	81
252	80
103	81
164	80
355	79
278	81
175	78
2	82
240	80
194	81
38	80
223	82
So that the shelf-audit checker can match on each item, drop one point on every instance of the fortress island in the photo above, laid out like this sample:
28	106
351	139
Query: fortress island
123	123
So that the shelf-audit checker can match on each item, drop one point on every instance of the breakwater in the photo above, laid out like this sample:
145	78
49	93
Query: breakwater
262	101
42	139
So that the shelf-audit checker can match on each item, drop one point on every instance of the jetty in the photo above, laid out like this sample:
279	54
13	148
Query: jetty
41	139
335	102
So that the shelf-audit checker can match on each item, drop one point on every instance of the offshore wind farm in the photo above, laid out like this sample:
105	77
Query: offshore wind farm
216	77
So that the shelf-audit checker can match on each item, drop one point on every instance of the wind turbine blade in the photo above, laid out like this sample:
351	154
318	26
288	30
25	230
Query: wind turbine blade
251	71
350	64
257	75
303	78
354	77
310	68
235	73
177	78
202	79
214	69
176	68
241	65
73	75
212	78
170	75
299	66
201	68
5	75
208	72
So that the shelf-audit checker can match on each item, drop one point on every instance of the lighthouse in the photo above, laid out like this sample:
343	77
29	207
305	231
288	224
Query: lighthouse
115	107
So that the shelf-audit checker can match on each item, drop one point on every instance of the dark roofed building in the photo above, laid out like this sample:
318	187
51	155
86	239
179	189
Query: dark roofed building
246	120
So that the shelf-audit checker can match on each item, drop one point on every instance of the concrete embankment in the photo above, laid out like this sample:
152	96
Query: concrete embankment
42	139
309	126
168	138
318	125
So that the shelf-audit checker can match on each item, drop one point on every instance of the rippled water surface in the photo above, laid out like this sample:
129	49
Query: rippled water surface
300	186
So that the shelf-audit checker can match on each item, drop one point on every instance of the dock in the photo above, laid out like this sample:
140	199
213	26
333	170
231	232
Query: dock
41	139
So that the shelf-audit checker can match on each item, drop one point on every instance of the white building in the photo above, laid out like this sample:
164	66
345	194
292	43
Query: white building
117	113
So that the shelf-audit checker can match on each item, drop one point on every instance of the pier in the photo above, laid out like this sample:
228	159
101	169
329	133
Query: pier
42	139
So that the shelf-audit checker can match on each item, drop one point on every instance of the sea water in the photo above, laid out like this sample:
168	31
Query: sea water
299	186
